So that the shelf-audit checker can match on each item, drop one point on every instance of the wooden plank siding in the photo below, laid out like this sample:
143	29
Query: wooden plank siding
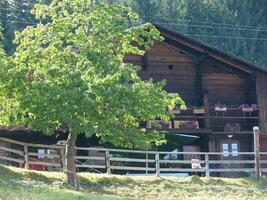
165	62
226	89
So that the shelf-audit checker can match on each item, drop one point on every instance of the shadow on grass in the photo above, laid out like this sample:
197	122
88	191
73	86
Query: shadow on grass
7	173
261	183
107	181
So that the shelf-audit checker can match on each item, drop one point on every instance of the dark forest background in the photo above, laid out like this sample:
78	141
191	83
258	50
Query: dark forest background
235	26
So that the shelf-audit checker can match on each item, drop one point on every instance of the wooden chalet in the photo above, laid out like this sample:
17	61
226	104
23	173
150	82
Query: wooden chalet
226	96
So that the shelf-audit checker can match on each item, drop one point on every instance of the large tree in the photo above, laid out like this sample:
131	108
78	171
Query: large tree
70	73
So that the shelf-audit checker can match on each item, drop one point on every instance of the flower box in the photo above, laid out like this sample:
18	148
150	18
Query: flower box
247	109
186	124
232	127
159	124
220	108
199	111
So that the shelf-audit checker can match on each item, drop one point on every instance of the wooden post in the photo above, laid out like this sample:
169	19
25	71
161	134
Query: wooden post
207	110
63	159
146	161
108	163
207	171
256	132
157	165
26	158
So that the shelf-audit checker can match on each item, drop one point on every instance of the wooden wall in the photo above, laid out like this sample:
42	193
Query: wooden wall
226	88
164	62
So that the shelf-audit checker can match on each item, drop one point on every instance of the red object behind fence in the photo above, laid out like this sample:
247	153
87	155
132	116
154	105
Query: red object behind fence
37	167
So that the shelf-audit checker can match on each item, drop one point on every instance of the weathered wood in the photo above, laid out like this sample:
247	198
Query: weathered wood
207	110
147	161
157	165
90	166
256	151
43	155
30	144
132	168
207	170
18	152
12	141
131	159
44	163
261	91
182	170
26	157
108	162
233	170
89	158
180	161
6	158
232	161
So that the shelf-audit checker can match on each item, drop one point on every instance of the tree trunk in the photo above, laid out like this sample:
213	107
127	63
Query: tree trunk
70	161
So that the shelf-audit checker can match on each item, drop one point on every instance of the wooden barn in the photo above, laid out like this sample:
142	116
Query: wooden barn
225	96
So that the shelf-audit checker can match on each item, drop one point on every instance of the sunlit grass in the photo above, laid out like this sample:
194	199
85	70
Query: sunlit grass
23	184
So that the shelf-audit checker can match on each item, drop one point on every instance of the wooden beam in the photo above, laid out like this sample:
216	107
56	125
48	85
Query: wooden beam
261	91
256	151
144	62
198	88
189	46
207	109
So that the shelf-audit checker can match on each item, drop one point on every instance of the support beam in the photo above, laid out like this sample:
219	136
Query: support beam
144	62
261	91
198	88
256	132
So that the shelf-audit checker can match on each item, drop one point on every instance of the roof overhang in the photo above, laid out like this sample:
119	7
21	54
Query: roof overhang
199	48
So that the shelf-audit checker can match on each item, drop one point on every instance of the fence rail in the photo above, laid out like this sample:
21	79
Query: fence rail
122	161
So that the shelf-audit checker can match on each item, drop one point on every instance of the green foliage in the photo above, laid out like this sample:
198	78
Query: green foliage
70	73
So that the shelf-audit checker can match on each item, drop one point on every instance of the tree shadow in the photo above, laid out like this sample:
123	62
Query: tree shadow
7	173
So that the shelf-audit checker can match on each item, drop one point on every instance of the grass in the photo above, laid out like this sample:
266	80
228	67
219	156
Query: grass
22	184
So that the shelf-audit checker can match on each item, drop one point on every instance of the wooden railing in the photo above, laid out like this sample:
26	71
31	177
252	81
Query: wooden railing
121	161
26	155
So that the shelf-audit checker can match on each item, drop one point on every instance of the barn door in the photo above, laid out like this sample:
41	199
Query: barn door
230	151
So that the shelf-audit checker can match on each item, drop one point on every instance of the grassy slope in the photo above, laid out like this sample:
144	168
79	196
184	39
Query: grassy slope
22	184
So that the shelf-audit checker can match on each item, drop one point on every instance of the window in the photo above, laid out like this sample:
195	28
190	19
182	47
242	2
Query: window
170	67
230	148
44	153
225	149
235	149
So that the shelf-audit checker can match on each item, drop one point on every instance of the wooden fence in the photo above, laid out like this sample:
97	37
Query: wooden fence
121	161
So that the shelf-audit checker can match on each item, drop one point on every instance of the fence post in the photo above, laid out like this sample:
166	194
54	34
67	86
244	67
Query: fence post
207	170
26	158
146	161
157	164
256	132
108	162
63	159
